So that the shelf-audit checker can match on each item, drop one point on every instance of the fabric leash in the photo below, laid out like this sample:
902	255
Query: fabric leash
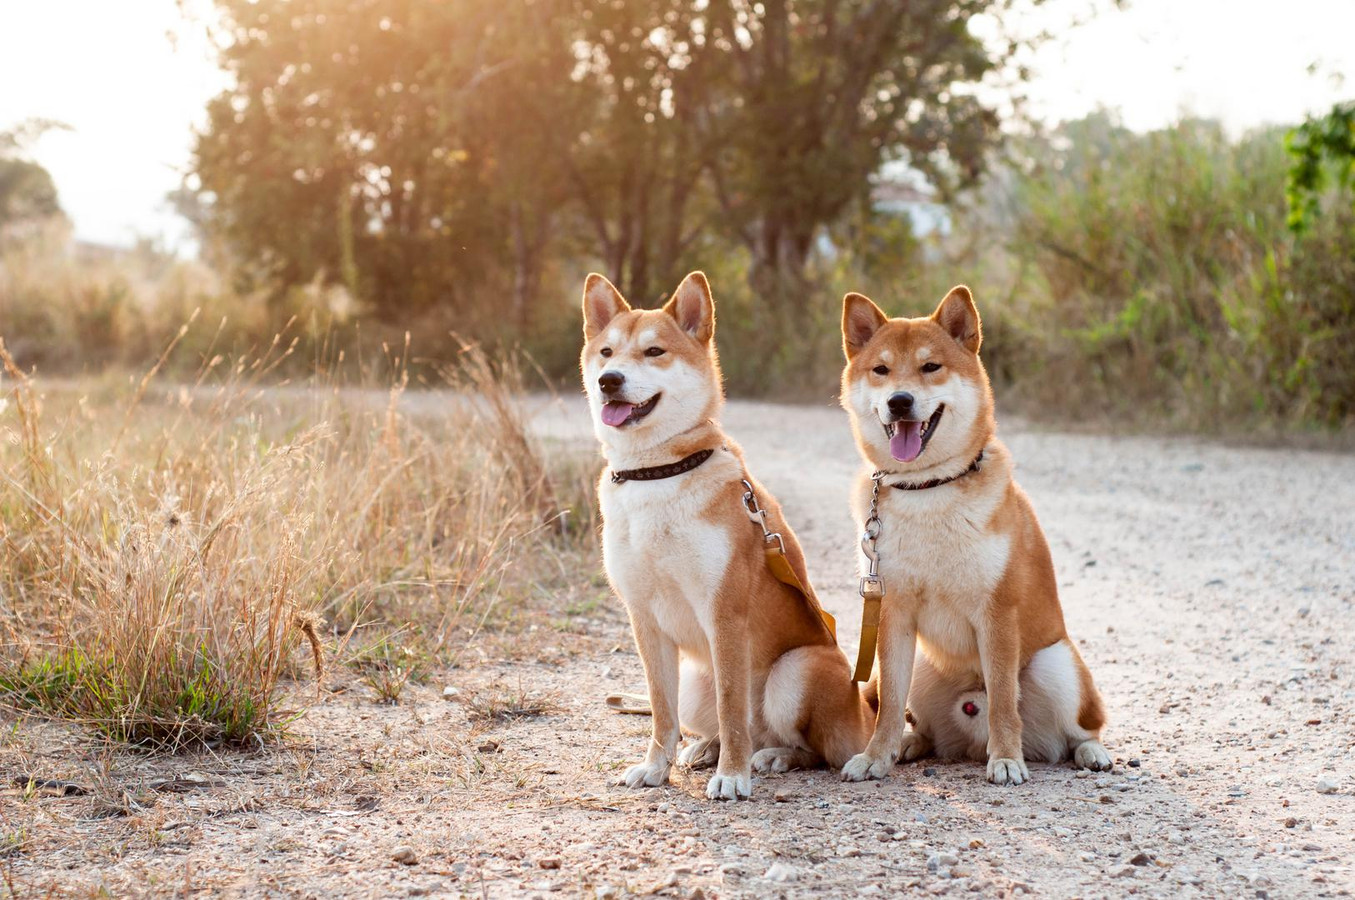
774	549
872	589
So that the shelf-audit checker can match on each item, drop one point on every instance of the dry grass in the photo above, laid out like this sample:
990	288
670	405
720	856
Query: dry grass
176	561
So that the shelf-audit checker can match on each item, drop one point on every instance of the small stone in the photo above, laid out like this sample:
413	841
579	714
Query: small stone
1311	848
450	693
1140	859
405	856
938	861
975	843
1327	784
783	796
488	747
1134	763
929	772
1125	872
779	871
549	862
1291	822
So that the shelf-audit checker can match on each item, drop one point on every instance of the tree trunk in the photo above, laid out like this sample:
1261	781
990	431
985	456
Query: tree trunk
529	242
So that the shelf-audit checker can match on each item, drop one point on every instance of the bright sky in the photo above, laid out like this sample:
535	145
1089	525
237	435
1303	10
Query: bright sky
131	79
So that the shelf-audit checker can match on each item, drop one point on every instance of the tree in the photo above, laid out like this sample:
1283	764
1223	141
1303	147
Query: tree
28	195
1316	148
638	170
354	144
821	93
421	152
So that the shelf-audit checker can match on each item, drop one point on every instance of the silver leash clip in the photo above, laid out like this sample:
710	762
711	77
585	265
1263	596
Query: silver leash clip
872	585
758	516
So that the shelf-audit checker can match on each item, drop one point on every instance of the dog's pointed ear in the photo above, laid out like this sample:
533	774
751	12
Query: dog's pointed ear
960	317
861	318
693	307
602	302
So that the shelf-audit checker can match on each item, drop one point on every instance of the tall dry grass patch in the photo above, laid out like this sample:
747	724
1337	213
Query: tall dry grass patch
178	560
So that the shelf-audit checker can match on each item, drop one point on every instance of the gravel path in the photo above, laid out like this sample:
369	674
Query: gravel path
1211	590
1209	587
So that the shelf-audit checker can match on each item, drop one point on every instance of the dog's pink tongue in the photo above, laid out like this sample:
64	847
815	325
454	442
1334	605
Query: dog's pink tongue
906	443
616	412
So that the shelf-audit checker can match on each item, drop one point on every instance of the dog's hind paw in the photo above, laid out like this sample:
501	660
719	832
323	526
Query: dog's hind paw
1091	755
915	746
781	759
646	774
701	753
1008	771
863	766
730	787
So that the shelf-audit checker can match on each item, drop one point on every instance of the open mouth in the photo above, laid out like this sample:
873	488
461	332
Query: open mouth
908	438
619	413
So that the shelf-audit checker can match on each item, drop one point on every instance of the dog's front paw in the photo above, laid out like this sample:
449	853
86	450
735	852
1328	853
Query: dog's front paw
1008	771
701	753
864	765
730	787
646	774
1091	755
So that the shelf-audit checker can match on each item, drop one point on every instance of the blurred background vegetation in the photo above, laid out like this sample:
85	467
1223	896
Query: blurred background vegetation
452	170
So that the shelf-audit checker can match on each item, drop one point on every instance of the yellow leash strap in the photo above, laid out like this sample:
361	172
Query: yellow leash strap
774	548
785	573
872	592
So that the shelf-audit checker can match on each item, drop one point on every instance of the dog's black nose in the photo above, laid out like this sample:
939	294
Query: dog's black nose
901	404
611	382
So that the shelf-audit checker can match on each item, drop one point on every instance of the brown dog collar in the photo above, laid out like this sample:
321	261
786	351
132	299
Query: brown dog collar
654	473
975	466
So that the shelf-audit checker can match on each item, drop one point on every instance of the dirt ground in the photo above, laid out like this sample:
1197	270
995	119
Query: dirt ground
1210	588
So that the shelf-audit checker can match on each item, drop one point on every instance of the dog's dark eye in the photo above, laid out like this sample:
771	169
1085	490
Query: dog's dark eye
606	351
931	367
654	351
881	370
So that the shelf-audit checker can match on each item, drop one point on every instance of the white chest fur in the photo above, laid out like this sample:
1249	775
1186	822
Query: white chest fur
939	560
664	554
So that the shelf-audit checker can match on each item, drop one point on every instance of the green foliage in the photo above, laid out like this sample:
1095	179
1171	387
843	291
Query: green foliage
1172	282
1318	147
1145	279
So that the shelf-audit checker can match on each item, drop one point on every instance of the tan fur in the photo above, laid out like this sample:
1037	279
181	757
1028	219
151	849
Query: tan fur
763	684
967	571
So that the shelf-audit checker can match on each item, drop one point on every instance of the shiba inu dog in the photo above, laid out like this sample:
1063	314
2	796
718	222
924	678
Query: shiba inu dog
763	685
967	573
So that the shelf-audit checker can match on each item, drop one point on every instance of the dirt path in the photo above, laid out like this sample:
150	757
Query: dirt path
1212	591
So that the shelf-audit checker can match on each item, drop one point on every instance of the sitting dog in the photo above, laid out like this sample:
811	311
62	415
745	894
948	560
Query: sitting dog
763	684
967	573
